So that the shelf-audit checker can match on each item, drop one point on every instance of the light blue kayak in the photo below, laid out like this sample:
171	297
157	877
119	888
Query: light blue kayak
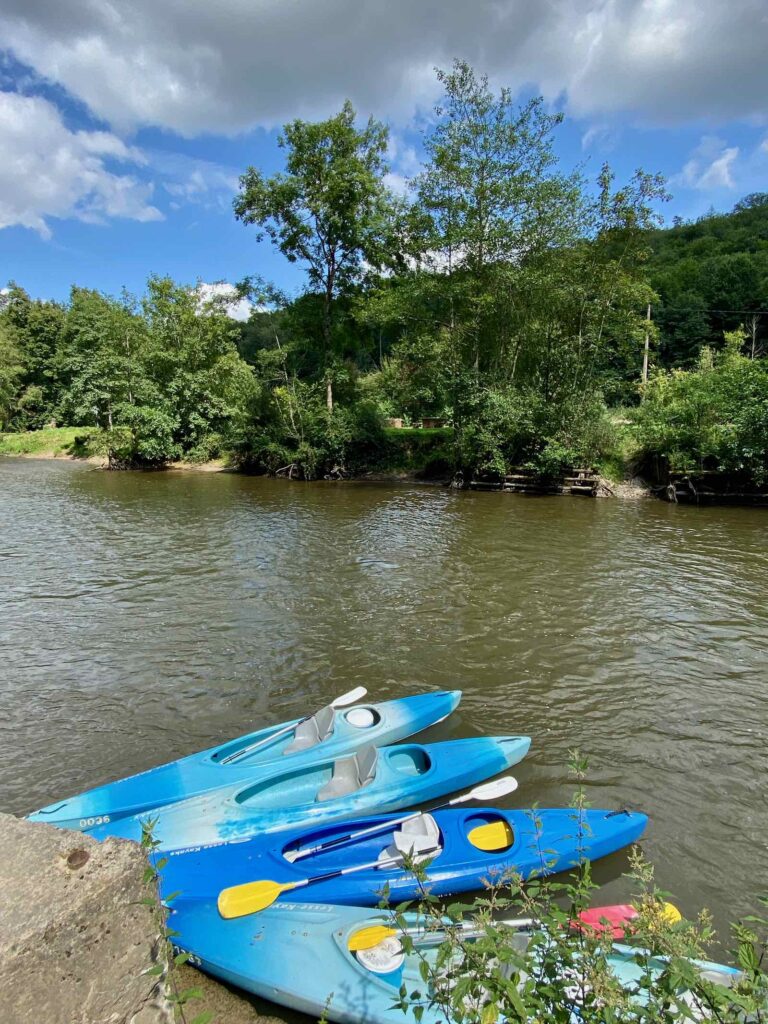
382	779
296	954
328	734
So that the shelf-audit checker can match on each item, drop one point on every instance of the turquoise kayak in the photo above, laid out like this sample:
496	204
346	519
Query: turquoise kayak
464	846
297	954
328	734
382	779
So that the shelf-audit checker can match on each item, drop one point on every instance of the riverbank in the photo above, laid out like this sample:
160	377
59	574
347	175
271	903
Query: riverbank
412	455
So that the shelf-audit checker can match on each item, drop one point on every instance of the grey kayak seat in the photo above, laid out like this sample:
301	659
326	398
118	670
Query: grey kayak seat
350	774
316	729
418	837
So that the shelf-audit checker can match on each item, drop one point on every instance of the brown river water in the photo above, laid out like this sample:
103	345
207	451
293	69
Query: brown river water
145	616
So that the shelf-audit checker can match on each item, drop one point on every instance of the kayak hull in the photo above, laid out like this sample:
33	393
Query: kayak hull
405	774
235	762
296	955
542	842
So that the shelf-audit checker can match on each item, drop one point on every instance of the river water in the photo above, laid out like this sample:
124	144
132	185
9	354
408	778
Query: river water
145	616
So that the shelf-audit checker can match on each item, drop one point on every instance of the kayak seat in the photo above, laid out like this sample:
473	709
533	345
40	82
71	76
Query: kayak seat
350	774
416	836
316	729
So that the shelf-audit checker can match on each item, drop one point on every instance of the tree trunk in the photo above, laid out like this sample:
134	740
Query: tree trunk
327	300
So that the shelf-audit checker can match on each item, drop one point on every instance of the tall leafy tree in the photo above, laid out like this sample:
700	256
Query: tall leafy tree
493	199
193	361
325	211
35	327
11	371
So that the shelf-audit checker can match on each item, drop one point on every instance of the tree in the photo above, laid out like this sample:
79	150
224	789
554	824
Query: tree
100	359
493	201
327	210
11	371
34	326
191	357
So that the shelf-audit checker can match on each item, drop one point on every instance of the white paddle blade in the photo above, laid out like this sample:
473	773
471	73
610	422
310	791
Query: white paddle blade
490	790
349	698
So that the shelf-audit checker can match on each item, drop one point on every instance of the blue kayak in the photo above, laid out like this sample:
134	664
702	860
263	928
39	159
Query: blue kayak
455	841
329	790
297	954
330	733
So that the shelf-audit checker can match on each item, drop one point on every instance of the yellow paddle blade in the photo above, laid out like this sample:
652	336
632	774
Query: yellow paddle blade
369	937
496	835
671	914
250	897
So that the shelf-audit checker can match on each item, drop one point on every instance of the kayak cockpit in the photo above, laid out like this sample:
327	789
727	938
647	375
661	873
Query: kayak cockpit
409	760
489	832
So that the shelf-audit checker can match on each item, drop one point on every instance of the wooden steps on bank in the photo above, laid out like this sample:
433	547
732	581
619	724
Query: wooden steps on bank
519	480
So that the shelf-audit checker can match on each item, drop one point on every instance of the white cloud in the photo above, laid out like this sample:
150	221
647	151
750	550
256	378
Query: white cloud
229	66
598	135
238	308
710	166
196	181
48	171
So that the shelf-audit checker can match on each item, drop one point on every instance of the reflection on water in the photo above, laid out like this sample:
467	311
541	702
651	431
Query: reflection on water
144	616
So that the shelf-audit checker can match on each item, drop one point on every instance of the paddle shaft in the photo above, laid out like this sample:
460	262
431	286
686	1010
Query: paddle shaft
267	739
383	826
339	702
389	862
252	897
374	934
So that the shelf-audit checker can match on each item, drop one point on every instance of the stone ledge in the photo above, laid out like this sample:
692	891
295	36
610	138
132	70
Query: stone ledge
75	940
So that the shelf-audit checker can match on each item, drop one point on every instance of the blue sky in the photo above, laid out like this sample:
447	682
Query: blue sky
124	127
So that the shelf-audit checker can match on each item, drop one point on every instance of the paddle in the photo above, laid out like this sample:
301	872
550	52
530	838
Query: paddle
340	702
488	791
597	918
251	897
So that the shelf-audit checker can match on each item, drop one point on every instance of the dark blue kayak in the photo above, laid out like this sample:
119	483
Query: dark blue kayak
328	734
523	842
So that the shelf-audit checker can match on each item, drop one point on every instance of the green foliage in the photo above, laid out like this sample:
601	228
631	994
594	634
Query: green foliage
49	441
165	956
29	329
713	417
503	295
518	426
328	210
11	372
159	380
711	276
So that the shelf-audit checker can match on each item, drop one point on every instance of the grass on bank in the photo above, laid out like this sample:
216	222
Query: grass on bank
55	442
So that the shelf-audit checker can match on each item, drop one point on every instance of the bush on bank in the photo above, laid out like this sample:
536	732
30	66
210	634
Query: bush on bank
712	418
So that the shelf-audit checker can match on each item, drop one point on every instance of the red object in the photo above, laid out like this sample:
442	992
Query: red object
600	919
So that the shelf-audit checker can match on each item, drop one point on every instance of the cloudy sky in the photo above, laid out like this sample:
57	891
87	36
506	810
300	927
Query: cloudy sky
124	126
